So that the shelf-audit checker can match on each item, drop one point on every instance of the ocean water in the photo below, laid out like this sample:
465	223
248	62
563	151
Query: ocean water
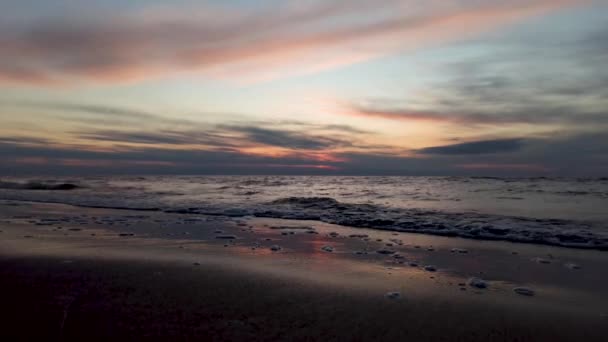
556	211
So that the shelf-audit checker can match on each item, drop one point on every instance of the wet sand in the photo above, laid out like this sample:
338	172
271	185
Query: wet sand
81	273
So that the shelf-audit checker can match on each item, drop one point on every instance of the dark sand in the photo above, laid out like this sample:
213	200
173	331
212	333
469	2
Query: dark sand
88	278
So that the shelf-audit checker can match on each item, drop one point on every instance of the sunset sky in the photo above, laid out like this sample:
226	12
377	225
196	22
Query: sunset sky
391	87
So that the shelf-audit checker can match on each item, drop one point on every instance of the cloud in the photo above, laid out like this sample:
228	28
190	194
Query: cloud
584	155
476	147
101	114
265	43
540	114
285	139
537	81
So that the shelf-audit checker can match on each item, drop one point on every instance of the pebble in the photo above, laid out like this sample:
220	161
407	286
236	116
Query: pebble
459	250
572	266
542	261
393	295
430	268
524	291
360	236
478	283
226	237
275	248
385	251
328	249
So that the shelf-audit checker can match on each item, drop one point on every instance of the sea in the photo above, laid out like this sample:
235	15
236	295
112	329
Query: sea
555	211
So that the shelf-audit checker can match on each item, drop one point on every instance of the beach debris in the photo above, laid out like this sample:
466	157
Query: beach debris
393	295
385	251
478	283
328	249
572	266
126	234
226	237
398	256
430	268
413	264
275	248
524	291
334	234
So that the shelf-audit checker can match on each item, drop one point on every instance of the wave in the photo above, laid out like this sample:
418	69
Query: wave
37	186
565	233
474	225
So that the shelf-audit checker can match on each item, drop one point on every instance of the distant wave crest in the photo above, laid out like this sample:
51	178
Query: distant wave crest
37	186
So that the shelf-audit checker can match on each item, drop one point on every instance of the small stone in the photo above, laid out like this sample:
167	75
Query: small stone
359	236
524	291
393	295
226	237
385	251
542	261
572	266
459	250
478	283
275	248
328	249
430	268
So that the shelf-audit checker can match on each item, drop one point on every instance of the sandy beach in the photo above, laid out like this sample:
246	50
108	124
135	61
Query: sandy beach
77	273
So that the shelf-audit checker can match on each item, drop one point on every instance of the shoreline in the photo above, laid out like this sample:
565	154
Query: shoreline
301	277
498	236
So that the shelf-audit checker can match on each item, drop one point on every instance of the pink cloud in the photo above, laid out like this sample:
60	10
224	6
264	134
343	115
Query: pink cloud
228	43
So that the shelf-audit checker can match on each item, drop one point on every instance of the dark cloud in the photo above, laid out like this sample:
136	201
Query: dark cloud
162	137
584	154
476	147
286	139
24	141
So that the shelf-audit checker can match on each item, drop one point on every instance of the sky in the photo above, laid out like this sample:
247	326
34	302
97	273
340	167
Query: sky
358	87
